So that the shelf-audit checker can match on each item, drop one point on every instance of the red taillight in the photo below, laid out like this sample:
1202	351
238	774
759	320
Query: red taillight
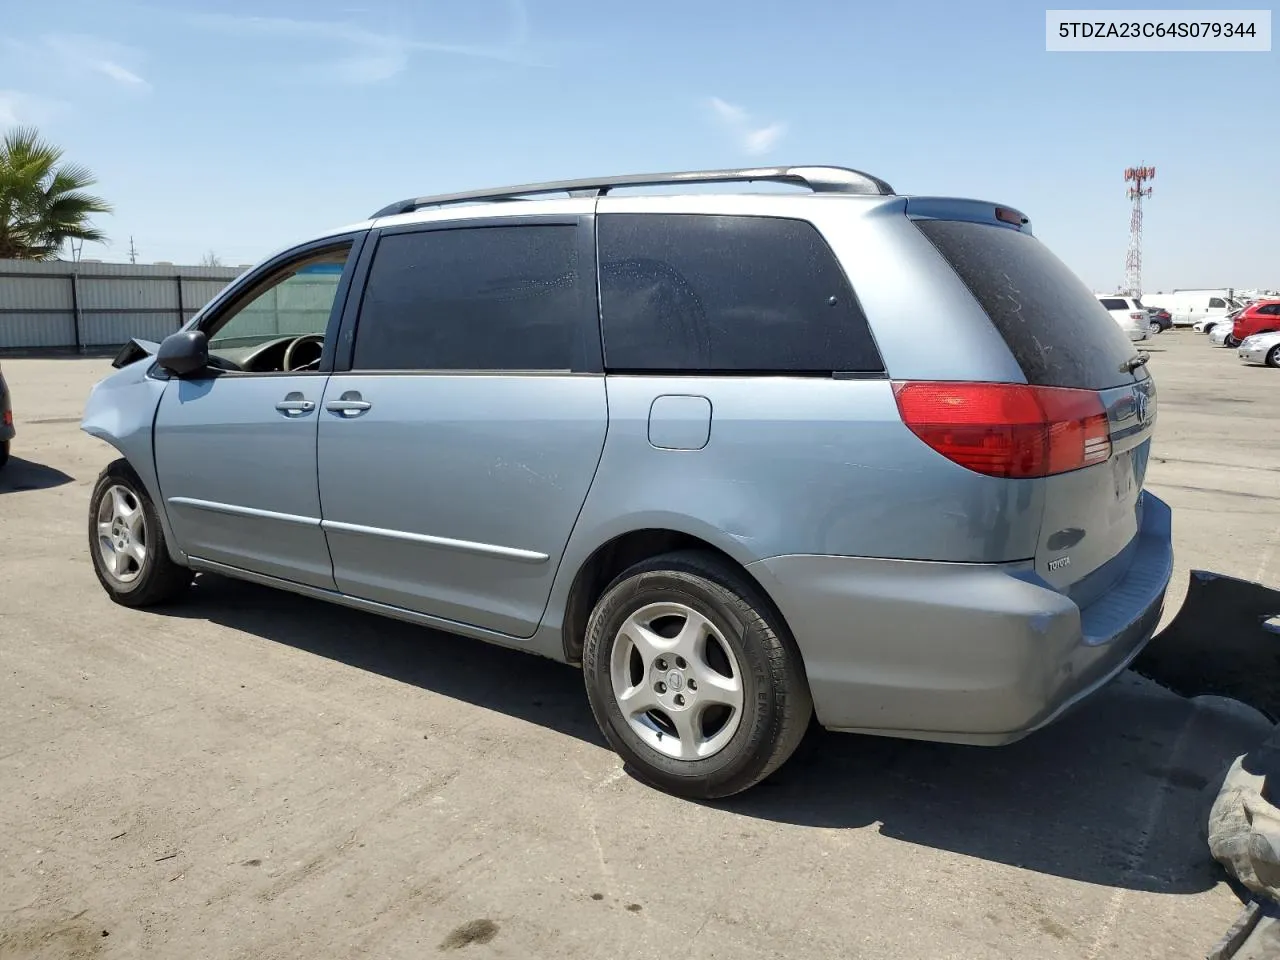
1007	429
8	418
1136	315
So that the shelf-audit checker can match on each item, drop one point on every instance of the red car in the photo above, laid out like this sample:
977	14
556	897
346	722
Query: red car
1260	317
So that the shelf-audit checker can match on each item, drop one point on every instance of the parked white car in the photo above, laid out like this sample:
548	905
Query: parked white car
1261	348
1220	334
1217	321
1129	313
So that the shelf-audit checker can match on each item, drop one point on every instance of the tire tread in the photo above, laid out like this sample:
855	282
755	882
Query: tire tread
163	580
792	700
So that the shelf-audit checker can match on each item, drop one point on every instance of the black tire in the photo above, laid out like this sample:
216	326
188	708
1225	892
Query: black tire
157	578
1154	327
4	452
1273	357
1232	342
775	692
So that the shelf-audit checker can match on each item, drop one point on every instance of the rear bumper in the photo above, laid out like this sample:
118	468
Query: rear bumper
7	431
968	653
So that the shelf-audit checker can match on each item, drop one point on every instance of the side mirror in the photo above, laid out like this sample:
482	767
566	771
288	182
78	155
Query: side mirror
184	352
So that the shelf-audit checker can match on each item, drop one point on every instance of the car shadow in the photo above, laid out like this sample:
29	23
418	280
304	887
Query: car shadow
18	475
1111	794
458	667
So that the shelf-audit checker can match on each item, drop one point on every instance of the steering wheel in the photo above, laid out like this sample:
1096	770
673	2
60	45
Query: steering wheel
305	339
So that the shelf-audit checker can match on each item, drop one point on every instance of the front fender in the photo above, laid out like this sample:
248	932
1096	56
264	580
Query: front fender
121	410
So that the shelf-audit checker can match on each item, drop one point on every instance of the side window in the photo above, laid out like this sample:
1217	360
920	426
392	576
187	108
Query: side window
255	330
477	298
1217	303
1114	303
724	294
1271	309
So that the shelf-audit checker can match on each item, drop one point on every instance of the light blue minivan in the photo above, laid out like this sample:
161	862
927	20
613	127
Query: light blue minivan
746	456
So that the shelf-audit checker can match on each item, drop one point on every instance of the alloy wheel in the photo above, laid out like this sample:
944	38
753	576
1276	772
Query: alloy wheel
677	681
122	534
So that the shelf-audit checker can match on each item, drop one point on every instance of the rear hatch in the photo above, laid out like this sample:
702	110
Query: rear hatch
1077	361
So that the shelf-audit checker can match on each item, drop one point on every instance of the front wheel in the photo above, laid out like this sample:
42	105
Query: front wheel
693	678
1273	356
127	544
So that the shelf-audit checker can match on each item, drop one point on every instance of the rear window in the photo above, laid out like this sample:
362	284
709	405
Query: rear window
1114	303
726	294
1054	326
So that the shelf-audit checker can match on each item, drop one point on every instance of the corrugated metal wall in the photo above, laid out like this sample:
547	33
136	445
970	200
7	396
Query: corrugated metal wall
89	305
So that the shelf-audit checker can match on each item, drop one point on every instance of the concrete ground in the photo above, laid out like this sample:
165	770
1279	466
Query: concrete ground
255	775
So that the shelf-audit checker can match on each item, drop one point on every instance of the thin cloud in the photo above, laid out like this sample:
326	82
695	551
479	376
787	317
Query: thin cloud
367	56
18	109
751	136
94	55
79	58
110	68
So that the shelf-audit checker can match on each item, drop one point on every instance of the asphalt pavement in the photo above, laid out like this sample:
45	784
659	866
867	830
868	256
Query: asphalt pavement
255	775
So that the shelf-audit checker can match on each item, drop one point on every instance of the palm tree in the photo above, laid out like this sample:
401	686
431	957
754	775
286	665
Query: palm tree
43	202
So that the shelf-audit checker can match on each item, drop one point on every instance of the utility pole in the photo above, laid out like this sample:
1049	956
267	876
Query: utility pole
133	252
1138	176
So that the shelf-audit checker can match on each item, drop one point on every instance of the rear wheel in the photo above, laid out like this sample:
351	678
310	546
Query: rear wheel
1273	356
1232	341
4	452
693	678
1154	326
127	544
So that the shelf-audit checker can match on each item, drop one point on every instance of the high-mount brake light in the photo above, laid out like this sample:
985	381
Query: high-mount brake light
1007	215
1009	430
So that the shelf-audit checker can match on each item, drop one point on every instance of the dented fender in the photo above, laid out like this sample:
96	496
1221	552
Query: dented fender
121	410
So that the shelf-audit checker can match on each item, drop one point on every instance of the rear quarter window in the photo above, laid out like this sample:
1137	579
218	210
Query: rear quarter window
726	294
1054	326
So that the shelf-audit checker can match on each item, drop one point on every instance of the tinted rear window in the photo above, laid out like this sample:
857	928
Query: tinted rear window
1055	327
725	294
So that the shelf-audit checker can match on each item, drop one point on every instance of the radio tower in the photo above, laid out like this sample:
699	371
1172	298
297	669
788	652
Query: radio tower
1137	176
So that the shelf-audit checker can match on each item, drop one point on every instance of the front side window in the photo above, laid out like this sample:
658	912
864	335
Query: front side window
476	298
255	331
725	294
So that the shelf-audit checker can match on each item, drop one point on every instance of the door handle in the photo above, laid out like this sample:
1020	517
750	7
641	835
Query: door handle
350	404
293	403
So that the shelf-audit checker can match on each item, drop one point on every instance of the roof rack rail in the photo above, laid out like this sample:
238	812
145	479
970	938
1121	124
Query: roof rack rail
817	179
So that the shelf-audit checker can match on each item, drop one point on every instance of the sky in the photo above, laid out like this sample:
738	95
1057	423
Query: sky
239	128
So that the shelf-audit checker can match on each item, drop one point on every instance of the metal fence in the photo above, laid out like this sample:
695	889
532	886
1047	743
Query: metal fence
84	306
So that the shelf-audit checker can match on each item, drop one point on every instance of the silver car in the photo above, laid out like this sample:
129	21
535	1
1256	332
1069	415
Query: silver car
1220	336
744	457
1261	348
